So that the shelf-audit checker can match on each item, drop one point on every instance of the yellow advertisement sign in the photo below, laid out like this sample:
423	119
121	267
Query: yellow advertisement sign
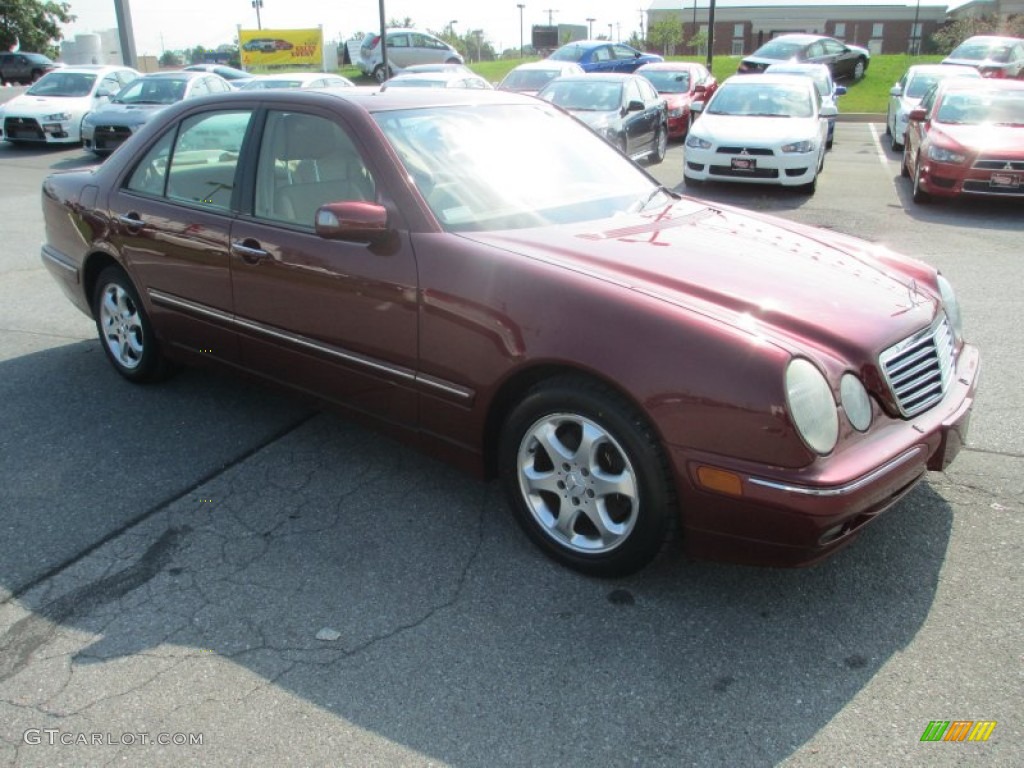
279	50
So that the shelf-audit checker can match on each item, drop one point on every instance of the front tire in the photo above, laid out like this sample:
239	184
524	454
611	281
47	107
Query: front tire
124	329
586	477
920	196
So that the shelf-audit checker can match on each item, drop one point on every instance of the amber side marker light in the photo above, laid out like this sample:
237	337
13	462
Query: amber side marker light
720	481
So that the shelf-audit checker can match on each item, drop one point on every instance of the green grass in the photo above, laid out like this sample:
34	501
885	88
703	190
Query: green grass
871	94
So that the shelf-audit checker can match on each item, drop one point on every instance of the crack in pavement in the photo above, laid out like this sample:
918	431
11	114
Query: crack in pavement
30	633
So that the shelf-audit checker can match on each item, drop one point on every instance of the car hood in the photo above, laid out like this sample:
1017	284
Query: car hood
755	131
677	100
126	114
26	104
771	278
1001	139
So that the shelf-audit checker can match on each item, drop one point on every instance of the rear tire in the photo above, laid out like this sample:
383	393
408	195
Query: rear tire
124	329
859	68
378	74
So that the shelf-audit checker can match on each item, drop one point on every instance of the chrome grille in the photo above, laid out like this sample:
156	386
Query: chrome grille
997	164
918	369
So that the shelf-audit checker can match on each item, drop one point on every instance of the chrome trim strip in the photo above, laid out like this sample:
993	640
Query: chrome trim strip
841	490
58	258
159	297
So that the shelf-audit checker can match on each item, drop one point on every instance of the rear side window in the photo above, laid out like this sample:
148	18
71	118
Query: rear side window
197	164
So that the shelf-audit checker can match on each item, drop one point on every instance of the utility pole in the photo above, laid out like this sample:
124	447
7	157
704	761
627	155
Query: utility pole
590	29
711	33
551	16
257	4
125	33
520	6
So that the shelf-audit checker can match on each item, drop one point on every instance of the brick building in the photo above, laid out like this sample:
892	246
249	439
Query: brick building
741	26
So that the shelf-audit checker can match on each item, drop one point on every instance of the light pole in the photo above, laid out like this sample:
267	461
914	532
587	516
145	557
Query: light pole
610	38
257	4
590	29
520	6
915	36
451	27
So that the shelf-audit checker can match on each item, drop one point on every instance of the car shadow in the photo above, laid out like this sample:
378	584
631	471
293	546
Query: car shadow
396	594
754	197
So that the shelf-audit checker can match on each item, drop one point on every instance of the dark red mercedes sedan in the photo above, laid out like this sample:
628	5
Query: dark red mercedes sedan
485	277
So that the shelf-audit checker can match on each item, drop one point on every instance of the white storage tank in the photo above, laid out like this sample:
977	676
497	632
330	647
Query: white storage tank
111	43
68	52
89	48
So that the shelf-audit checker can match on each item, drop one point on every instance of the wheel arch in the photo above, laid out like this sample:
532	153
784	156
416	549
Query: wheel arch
511	391
94	265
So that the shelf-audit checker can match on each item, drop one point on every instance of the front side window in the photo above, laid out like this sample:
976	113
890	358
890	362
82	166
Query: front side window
305	162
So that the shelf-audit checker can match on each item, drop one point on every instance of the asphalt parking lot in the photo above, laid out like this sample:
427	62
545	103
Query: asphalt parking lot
213	573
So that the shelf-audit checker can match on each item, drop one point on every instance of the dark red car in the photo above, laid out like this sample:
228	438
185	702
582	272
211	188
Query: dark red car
483	276
967	138
681	84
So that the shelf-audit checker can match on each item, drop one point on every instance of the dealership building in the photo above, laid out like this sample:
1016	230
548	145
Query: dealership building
741	26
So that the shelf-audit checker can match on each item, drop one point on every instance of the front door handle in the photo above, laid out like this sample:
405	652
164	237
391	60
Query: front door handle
131	220
249	250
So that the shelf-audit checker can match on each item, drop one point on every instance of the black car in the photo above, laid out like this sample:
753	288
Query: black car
623	109
844	60
17	67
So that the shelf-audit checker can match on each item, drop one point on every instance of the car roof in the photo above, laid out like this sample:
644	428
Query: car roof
93	69
991	39
545	65
784	67
589	44
770	78
984	84
934	69
798	37
597	77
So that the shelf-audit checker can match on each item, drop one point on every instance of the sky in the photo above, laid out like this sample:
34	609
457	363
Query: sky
178	24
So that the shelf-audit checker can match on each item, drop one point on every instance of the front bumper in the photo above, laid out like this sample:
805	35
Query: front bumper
792	518
765	166
23	128
941	180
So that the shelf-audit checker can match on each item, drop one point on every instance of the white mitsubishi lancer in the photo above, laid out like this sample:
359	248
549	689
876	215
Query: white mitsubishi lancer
760	129
52	110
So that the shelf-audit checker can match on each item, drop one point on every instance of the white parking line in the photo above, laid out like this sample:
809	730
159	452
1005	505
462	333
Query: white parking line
882	155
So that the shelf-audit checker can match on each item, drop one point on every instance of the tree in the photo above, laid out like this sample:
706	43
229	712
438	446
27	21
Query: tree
405	23
955	32
699	43
34	25
170	59
666	35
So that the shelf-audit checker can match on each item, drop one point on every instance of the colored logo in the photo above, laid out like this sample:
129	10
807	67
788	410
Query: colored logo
958	730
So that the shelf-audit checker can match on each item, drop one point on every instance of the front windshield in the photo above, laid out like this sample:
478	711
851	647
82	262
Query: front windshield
156	90
583	95
919	84
485	168
67	84
668	82
756	100
982	107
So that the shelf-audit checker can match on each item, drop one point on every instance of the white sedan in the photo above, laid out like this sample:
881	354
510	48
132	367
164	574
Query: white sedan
760	129
907	93
52	110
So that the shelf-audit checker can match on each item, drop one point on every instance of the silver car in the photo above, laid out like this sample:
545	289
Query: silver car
907	93
406	47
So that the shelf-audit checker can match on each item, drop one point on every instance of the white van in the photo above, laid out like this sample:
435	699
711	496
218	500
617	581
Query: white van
406	47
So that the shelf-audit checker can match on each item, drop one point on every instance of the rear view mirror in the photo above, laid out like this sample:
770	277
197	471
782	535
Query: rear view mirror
917	114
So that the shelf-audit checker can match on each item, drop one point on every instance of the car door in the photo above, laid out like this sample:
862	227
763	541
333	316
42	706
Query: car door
400	54
171	219
917	130
337	318
640	124
840	59
624	59
601	60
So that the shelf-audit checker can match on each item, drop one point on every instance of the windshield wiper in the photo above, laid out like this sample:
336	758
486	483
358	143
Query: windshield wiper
643	202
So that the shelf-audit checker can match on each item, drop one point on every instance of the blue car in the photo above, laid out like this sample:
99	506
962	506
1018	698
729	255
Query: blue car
604	56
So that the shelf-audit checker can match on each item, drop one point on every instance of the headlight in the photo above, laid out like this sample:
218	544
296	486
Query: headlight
798	146
811	406
676	112
696	142
856	402
58	116
952	306
942	155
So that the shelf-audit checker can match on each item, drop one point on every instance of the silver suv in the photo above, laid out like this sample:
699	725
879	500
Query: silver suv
406	47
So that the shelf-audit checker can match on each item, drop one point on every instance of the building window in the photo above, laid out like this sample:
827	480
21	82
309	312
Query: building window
877	30
737	47
840	29
737	30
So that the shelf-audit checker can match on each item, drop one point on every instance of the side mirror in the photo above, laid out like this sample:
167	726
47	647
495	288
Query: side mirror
828	110
917	114
839	91
896	91
699	89
635	106
354	221
697	106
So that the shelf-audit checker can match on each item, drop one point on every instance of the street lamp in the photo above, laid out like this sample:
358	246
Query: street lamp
451	27
257	4
610	32
590	29
520	6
